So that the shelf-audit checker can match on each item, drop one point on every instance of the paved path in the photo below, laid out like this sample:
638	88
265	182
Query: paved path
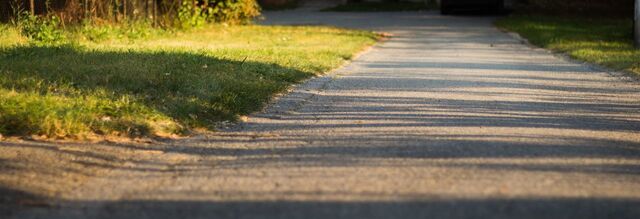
451	118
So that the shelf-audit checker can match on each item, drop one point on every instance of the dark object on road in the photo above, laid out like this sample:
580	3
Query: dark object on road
449	6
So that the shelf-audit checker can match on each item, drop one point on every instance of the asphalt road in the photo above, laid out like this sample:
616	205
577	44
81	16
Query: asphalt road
450	118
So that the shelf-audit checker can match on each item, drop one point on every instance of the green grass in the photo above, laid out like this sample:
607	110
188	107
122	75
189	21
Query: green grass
149	82
603	41
380	7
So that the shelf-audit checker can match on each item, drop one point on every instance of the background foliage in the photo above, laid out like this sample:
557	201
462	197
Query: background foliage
160	12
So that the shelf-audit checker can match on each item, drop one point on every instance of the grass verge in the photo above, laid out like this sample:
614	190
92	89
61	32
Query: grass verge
146	82
380	6
604	41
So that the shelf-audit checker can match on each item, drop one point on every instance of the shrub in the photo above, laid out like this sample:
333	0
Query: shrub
190	14
42	30
161	12
234	11
196	13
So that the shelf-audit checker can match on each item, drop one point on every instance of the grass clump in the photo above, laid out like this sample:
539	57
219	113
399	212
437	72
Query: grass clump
79	116
160	83
380	6
603	41
9	35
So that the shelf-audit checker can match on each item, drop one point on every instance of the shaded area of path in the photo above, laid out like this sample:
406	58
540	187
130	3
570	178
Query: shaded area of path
451	118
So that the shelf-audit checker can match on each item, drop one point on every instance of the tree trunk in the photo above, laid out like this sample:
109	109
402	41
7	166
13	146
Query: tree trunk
32	7
636	24
124	9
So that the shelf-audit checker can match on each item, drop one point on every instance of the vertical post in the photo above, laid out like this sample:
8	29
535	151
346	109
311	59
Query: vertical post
636	24
116	10
146	9
154	8
32	7
85	6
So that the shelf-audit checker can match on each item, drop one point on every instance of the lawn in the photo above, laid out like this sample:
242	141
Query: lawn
149	82
380	6
604	41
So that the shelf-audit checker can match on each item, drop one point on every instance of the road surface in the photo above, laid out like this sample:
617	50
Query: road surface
450	118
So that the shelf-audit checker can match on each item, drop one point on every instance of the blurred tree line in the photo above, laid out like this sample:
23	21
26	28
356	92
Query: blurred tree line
160	12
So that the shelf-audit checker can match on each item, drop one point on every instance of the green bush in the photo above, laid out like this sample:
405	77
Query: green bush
42	30
191	15
196	13
234	11
165	13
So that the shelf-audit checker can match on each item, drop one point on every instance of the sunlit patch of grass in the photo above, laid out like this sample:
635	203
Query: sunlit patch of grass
80	116
159	82
10	35
603	41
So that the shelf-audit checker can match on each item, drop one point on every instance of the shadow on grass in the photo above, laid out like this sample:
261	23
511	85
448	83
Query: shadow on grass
192	88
